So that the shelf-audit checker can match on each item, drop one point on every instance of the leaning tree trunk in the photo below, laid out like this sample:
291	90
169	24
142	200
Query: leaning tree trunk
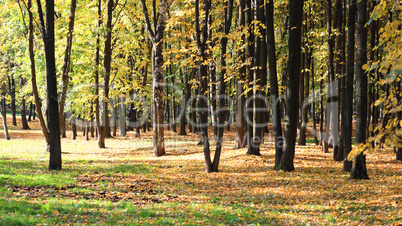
38	102
292	90
359	170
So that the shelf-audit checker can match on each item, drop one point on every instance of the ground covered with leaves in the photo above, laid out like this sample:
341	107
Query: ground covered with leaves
125	184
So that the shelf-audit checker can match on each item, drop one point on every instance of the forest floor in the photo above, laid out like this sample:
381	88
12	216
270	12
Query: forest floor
125	184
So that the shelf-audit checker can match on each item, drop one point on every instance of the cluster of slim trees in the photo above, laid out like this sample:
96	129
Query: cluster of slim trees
279	63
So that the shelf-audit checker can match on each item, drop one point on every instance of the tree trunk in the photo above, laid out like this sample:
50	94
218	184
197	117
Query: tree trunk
185	98
38	102
294	58
348	105
157	42
23	106
66	65
359	170
30	112
241	126
122	117
51	85
11	84
107	60
4	117
273	80
100	126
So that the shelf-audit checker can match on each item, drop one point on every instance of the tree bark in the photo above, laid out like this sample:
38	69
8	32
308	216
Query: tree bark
51	83
38	101
66	65
294	61
241	126
359	170
24	120
348	105
157	42
99	123
273	80
4	117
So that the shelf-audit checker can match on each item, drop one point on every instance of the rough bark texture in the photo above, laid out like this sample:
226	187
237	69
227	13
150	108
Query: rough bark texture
359	170
122	116
157	42
293	77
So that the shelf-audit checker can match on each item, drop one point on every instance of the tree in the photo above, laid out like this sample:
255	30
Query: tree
222	110
241	126
273	80
359	170
292	86
348	105
156	36
66	65
203	78
51	82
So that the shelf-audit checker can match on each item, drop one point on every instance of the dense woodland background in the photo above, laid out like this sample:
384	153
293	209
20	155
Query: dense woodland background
331	68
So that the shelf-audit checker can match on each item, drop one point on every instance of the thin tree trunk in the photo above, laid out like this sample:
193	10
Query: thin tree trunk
38	102
122	117
66	65
273	80
4	118
23	107
100	126
241	128
347	128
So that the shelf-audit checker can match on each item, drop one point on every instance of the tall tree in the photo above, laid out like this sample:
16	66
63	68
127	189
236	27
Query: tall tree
292	86
348	105
51	84
156	36
273	81
222	110
100	125
241	127
203	78
359	170
38	101
66	64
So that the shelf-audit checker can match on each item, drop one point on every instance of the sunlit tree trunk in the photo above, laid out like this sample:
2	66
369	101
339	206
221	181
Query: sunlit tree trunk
156	36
